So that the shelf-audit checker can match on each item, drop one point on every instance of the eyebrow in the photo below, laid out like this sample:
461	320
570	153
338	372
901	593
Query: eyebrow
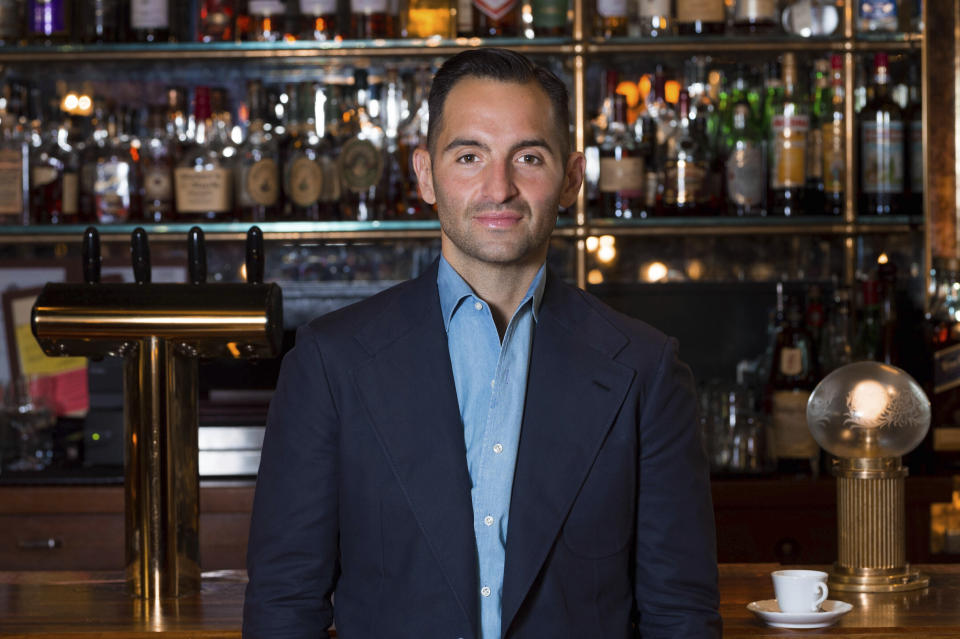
532	142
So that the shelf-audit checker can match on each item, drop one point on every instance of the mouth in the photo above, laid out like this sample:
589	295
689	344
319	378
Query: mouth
498	219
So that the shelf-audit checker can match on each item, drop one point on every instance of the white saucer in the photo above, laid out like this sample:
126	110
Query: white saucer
829	612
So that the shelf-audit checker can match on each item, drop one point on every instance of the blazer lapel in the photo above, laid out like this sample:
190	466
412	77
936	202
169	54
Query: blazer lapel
408	389
574	392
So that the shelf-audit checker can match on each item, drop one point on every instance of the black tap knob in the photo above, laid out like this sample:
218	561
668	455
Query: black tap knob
196	256
90	252
255	255
140	255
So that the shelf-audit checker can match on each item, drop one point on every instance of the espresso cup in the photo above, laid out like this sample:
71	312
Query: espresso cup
800	590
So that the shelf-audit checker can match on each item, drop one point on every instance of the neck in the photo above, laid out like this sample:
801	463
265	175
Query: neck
502	286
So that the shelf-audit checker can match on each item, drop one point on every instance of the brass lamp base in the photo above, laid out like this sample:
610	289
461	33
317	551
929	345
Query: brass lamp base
876	580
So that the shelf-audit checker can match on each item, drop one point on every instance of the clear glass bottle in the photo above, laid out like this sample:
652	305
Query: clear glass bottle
833	132
203	180
686	167
611	18
150	20
110	173
745	166
303	178
651	19
881	147
836	343
789	129
257	169
413	134
760	17
265	20
665	125
815	190
360	160
157	162
701	17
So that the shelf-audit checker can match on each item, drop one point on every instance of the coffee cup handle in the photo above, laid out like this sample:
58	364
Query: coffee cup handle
824	590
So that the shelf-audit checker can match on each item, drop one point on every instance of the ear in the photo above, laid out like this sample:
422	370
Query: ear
572	179
423	167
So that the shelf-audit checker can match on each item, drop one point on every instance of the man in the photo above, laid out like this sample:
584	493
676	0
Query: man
484	451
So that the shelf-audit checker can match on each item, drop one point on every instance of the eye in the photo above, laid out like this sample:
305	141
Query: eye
530	158
467	158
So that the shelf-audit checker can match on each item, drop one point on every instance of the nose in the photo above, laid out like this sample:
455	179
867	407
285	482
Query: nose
498	182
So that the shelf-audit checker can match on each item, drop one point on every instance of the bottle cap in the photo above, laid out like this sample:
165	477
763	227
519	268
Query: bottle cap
880	60
836	62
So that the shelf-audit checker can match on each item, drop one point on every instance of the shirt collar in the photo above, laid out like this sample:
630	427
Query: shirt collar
454	289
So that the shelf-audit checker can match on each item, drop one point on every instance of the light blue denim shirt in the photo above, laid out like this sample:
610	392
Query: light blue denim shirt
491	381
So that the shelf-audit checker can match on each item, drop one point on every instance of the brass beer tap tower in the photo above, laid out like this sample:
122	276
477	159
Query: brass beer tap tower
160	330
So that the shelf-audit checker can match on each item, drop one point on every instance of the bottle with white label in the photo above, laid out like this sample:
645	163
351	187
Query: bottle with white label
621	167
361	158
793	375
611	18
203	181
789	128
651	19
257	169
318	20
266	22
156	164
881	147
14	161
150	20
305	155
701	17
756	17
109	178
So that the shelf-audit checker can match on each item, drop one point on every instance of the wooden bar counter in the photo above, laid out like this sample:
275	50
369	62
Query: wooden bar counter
94	605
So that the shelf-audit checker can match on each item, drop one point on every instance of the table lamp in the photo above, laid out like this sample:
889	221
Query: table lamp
868	415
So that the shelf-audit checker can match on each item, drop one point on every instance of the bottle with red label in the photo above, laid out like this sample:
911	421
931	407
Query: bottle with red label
881	147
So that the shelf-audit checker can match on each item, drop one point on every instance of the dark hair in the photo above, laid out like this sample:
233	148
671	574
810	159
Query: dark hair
496	64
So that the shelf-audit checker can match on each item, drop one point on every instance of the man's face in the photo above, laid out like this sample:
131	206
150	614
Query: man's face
497	173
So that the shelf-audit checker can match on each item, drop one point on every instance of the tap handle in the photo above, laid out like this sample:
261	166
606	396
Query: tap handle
196	256
255	255
140	255
90	252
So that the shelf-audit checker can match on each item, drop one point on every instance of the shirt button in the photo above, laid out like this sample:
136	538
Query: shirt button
478	306
498	448
488	520
485	591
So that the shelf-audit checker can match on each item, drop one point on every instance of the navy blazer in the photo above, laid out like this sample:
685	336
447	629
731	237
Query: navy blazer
364	491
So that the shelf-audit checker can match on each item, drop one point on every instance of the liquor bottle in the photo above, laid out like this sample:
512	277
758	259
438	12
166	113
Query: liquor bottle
100	20
889	324
789	130
150	20
943	342
157	162
14	162
665	124
302	166
793	374
836	342
651	19
621	167
318	20
881	147
815	190
867	341
705	131
11	21
371	19
178	121
336	133
392	107
49	21
110	173
611	18
216	20
913	117
834	161
55	175
745	166
756	17
413	134
701	17
877	15
808	18
203	185
361	158
686	167
265	21
549	18
257	169
496	18
430	18
464	18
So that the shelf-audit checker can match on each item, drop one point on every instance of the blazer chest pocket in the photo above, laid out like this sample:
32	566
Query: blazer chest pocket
601	520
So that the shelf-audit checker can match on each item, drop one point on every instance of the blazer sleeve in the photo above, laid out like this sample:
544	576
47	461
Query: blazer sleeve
676	558
292	554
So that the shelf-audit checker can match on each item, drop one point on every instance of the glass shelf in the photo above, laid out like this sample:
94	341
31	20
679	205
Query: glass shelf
774	44
807	225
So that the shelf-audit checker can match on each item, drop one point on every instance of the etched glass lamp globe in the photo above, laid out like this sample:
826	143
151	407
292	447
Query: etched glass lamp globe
868	410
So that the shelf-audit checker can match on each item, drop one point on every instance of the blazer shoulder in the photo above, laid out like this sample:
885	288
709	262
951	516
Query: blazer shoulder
637	332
